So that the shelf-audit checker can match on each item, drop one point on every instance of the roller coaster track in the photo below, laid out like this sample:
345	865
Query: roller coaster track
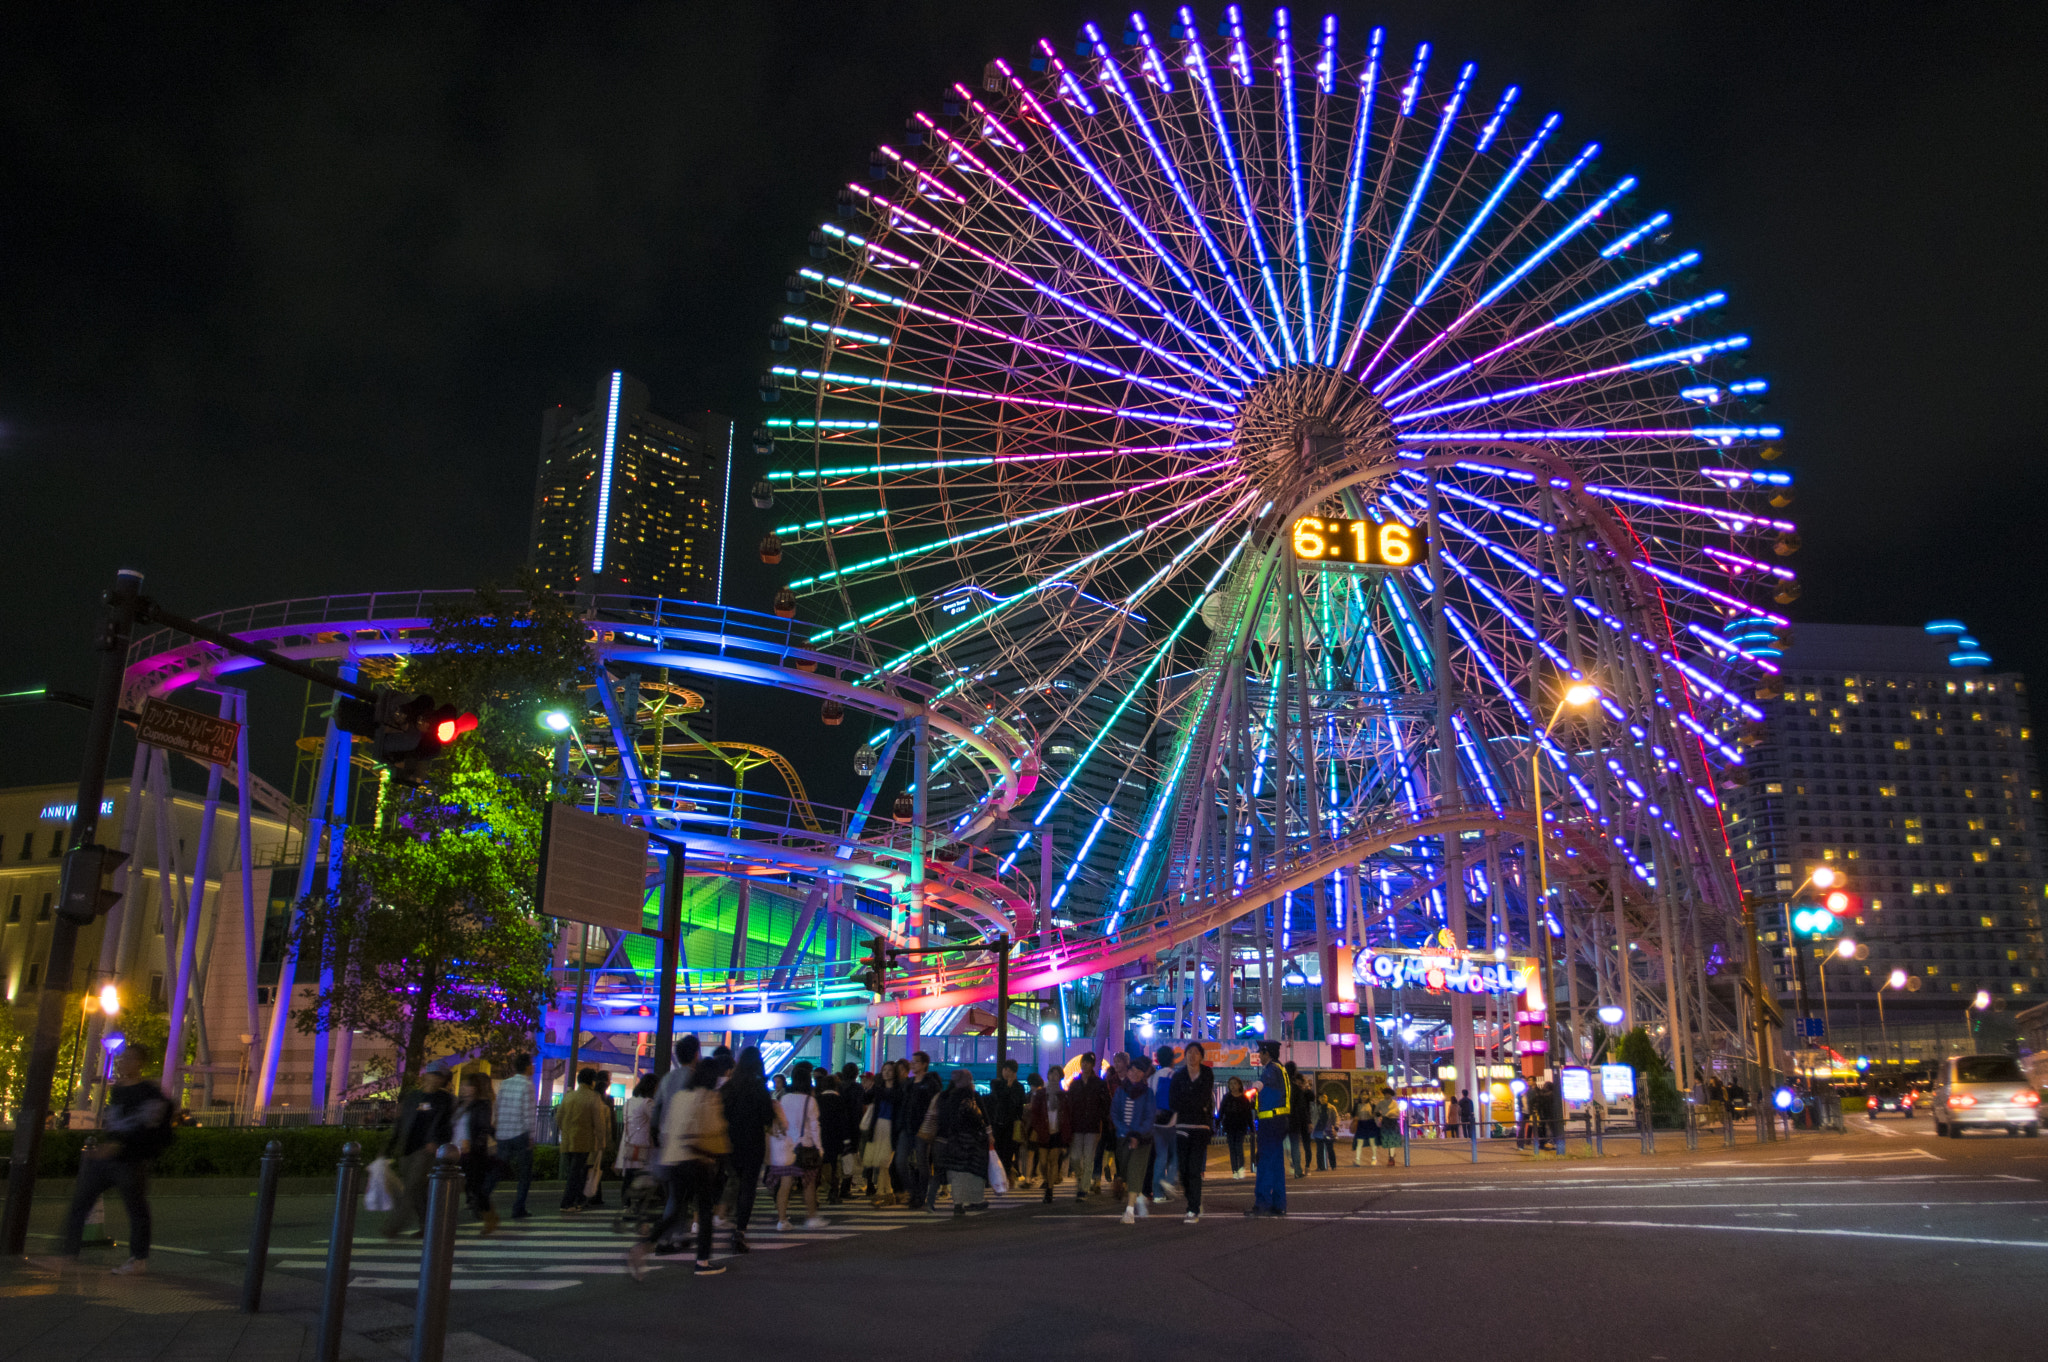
752	835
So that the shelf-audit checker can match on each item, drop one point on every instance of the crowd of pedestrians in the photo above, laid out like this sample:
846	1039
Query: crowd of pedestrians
695	1148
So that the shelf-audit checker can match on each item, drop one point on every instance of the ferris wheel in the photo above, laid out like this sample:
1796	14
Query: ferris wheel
1276	423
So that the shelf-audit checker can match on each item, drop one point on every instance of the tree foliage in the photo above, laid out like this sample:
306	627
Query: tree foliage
1654	1080
431	937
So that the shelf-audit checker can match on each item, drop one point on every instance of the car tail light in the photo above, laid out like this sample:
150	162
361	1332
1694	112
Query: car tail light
1962	1099
2027	1099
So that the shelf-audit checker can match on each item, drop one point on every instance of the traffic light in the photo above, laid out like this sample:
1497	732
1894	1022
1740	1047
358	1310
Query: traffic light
875	974
1814	920
404	736
85	894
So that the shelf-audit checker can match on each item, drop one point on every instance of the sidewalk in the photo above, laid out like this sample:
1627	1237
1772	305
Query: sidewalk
57	1310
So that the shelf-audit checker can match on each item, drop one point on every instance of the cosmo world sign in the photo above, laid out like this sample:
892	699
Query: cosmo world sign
1441	971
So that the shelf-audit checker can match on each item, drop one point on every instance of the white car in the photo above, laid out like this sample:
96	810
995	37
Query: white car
1988	1092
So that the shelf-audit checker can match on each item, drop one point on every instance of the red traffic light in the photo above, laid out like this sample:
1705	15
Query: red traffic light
450	725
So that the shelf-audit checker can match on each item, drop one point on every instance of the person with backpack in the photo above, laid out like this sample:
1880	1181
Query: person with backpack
1236	1114
1165	1171
137	1126
796	1149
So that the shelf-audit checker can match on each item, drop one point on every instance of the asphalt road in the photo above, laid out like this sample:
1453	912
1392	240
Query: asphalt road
1884	1242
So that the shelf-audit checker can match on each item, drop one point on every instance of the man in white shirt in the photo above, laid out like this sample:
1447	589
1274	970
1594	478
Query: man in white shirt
517	1119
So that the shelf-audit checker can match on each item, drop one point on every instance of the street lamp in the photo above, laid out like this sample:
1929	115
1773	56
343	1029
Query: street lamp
555	721
1897	980
1980	1003
1578	695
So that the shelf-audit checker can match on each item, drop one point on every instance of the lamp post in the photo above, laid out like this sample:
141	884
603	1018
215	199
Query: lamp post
1980	1003
1897	979
1578	696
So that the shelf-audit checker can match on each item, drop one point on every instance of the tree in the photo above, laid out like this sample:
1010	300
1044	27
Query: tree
431	936
1655	1084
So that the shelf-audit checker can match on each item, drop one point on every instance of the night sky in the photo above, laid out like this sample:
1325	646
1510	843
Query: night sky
284	289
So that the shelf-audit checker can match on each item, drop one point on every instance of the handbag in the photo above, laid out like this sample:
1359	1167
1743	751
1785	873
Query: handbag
380	1192
808	1156
998	1181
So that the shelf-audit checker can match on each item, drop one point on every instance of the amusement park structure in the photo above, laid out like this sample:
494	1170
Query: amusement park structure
1277	459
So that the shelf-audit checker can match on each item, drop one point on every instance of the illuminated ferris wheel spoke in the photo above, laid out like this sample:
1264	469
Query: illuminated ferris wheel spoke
1191	213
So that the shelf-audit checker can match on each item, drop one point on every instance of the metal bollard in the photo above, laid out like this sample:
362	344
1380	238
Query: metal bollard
1643	1135
1404	1139
1692	1126
259	1237
348	1189
1475	1141
437	1256
1728	1126
1600	1132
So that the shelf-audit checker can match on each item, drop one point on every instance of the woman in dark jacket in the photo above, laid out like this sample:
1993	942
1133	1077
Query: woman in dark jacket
750	1113
837	1131
1237	1119
961	1148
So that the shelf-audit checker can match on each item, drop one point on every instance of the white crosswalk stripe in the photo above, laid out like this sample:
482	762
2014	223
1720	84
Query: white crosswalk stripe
551	1252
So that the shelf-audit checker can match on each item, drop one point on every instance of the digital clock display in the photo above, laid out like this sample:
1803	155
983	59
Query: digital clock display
1357	543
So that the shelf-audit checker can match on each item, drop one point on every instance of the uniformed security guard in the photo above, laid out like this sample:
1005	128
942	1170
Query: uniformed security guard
1269	1188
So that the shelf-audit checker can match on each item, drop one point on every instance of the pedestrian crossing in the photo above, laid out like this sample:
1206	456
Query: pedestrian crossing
553	1252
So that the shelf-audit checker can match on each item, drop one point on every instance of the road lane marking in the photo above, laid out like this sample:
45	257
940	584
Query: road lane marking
1752	1229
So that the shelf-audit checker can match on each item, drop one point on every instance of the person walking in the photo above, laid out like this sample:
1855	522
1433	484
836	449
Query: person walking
1165	1174
472	1134
583	1124
636	1135
1274	1097
1192	1095
1237	1123
1005	1110
796	1149
1365	1129
137	1126
1387	1111
1324	1134
962	1145
1044	1129
836	1133
425	1122
1468	1114
1130	1113
1084	1115
916	1129
513	1124
694	1146
878	1120
751	1116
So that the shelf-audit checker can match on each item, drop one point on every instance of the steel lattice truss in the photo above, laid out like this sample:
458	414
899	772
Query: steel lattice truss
1091	336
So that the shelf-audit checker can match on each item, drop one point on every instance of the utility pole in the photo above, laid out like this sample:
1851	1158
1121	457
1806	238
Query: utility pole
83	863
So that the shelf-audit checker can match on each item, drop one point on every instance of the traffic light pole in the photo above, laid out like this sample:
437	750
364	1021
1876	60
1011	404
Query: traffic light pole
112	646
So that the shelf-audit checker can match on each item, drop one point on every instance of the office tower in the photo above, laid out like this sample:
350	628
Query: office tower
1903	760
629	501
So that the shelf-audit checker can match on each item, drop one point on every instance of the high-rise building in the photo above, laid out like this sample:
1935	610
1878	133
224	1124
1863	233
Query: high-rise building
1902	760
630	501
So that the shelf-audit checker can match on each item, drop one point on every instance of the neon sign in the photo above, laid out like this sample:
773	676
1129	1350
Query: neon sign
64	813
1442	972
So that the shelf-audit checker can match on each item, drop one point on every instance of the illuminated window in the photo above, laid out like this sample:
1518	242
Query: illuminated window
1901	745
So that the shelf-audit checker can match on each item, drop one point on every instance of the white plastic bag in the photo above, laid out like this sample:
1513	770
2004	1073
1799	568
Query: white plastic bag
381	1190
997	1182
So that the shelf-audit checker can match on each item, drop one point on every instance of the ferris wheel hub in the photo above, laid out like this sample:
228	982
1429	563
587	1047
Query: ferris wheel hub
1308	425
